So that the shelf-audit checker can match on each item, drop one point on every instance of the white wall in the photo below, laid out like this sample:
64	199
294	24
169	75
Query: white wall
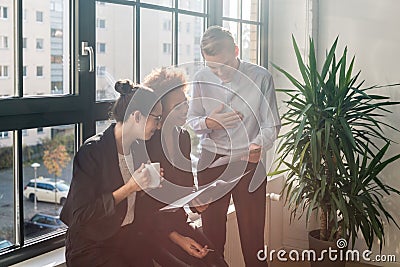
370	30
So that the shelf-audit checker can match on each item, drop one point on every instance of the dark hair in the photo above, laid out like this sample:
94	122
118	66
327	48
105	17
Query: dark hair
133	97
164	80
215	40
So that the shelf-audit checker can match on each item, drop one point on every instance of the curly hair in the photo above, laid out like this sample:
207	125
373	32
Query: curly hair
164	80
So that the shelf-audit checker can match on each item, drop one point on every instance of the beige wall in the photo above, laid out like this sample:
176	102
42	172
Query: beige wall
369	29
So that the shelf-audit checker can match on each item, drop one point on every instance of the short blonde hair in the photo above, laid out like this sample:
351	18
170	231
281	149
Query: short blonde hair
215	40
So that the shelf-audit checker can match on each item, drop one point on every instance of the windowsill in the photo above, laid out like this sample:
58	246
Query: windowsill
53	258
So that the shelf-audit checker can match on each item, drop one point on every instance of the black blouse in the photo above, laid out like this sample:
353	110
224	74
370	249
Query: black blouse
178	183
89	211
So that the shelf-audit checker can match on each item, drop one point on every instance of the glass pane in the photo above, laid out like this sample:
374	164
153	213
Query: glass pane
193	5
6	49
114	51
250	9
155	48
46	56
250	43
7	218
189	36
47	160
167	3
234	28
231	8
102	125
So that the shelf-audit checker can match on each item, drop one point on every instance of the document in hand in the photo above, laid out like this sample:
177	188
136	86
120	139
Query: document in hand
232	158
212	189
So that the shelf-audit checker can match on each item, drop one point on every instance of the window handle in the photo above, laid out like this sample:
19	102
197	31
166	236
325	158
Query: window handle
88	50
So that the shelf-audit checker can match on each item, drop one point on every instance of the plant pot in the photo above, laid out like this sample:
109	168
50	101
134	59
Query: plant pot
333	259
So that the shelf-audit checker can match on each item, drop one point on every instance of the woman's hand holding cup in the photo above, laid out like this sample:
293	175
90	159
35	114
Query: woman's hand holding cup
140	179
155	174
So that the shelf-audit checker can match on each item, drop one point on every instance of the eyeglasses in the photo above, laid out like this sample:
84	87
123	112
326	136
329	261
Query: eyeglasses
157	118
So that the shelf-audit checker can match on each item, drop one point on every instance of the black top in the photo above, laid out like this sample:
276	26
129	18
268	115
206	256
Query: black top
89	211
178	183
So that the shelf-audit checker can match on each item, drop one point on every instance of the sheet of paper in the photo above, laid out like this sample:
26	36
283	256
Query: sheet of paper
186	199
230	158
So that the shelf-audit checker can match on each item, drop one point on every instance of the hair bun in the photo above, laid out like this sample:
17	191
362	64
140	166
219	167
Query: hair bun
124	87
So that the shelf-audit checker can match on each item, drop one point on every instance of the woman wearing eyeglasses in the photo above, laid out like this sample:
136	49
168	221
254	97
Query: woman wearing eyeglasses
100	206
175	242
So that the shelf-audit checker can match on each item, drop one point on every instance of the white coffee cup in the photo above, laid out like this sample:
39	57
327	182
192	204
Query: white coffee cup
154	174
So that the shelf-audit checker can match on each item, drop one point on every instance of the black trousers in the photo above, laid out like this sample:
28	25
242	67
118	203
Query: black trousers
127	248
250	206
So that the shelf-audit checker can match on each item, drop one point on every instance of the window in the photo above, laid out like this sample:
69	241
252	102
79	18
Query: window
39	71
196	5
188	50
3	135
3	12
101	71
158	44
188	27
243	20
4	42
190	38
56	59
56	88
101	47
57	33
113	59
167	25
3	71
101	23
39	43
41	141
166	48
39	16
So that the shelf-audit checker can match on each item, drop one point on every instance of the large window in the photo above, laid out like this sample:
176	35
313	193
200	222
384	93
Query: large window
149	38
57	84
34	124
242	18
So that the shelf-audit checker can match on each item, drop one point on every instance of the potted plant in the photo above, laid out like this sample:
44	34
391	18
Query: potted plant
332	151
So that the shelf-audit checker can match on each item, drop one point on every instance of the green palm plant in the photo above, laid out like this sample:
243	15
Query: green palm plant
331	154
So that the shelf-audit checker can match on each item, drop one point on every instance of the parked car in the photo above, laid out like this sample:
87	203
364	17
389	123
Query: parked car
47	190
5	243
42	223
